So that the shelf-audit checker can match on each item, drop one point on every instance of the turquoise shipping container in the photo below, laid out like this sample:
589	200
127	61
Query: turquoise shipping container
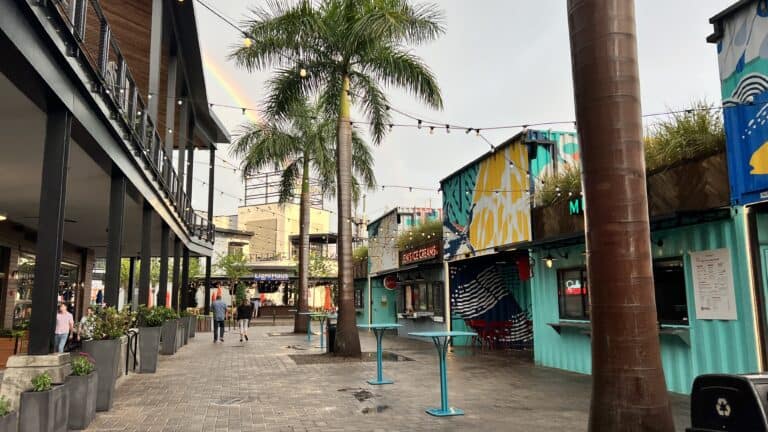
708	346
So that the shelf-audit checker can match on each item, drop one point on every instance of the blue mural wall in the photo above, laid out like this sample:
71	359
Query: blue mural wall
743	60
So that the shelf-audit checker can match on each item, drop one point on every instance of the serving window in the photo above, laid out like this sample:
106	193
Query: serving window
421	298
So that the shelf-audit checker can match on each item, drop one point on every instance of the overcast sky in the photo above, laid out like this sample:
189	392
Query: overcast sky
500	62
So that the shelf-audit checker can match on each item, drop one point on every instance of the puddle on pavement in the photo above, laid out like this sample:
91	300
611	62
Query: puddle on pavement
376	409
324	358
297	347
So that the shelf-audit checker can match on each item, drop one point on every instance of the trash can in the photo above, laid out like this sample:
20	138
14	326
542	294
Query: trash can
732	403
331	336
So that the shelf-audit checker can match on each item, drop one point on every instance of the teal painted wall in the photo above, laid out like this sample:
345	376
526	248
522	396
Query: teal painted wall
362	314
715	345
383	313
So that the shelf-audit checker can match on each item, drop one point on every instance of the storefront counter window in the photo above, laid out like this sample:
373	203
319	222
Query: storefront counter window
669	285
421	298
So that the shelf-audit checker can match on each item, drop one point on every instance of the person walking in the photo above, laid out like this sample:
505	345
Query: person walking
219	309
85	330
244	312
65	324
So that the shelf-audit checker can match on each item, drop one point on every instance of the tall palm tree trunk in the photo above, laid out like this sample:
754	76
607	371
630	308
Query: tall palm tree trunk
628	388
347	338
300	324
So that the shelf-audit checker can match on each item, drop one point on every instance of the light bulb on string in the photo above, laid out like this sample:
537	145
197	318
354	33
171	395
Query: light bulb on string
418	124
303	73
247	41
447	128
431	130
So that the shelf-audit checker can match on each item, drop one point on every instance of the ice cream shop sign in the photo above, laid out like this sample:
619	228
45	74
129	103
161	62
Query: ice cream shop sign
427	252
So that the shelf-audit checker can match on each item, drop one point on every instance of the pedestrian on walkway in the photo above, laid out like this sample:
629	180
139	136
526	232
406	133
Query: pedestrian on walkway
244	312
219	309
65	324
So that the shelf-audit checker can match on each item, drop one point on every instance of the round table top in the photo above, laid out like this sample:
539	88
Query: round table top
379	326
442	333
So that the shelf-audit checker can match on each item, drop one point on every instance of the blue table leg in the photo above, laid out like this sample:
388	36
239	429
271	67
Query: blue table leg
379	374
322	328
442	347
309	328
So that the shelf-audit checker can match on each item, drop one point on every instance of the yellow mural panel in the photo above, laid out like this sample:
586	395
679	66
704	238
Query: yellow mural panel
501	211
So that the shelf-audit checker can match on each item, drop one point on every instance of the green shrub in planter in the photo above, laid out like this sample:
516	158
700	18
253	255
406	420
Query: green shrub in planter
42	382
83	391
8	419
109	325
45	408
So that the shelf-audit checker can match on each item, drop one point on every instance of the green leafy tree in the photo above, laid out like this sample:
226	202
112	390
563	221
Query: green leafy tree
234	266
301	143
345	51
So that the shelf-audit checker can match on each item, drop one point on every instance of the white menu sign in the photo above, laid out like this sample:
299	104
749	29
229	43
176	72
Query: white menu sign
713	290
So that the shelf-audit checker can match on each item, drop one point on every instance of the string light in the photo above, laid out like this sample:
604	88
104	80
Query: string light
303	73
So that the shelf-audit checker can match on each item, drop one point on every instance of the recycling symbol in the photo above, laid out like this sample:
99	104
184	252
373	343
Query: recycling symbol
723	408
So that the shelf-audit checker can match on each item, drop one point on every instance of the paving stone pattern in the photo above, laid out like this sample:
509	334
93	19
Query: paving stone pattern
256	386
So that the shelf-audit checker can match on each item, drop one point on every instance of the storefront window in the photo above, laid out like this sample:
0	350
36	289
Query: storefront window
67	289
573	294
358	298
422	297
669	286
669	281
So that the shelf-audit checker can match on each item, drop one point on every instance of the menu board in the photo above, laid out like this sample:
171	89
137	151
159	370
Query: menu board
713	290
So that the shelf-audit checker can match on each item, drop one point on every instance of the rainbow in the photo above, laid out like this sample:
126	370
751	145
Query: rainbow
229	85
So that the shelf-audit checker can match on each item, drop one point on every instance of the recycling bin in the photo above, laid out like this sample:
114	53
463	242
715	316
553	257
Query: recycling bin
732	403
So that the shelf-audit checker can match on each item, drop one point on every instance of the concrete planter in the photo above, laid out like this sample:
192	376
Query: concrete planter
10	422
46	411
185	332
82	399
180	332
149	347
106	354
168	335
192	325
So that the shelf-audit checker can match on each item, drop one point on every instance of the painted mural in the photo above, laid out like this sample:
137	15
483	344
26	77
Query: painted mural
382	243
550	158
743	60
486	204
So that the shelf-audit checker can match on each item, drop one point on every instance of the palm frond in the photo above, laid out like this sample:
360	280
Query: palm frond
395	67
400	22
289	178
374	104
263	146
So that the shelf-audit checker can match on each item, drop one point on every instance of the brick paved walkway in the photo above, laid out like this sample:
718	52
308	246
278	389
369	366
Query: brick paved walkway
256	386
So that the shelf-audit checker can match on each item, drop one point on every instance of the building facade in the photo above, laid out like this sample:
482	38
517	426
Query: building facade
106	110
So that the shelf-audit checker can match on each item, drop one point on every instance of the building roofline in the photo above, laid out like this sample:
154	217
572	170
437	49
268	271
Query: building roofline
717	20
234	231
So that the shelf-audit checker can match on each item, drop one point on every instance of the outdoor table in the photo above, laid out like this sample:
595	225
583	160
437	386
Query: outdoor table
321	316
378	330
441	338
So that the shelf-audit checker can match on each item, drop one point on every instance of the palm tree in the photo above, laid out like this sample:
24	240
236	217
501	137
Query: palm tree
300	143
345	51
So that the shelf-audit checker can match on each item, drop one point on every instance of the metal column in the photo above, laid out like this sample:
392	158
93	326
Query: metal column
163	288
146	253
175	286
208	263
115	237
50	235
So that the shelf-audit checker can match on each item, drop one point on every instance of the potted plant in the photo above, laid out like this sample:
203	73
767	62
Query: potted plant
192	323
8	419
45	408
109	325
149	322
169	330
83	389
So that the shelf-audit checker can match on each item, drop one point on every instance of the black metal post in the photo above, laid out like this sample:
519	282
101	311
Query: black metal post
176	273
146	253
183	303
131	282
182	152
115	237
50	235
208	262
163	289
155	58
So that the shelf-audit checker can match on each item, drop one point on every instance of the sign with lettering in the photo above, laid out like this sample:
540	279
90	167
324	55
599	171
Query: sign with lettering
270	277
422	253
713	287
576	206
390	282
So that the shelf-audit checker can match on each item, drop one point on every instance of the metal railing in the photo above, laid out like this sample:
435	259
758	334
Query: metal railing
89	38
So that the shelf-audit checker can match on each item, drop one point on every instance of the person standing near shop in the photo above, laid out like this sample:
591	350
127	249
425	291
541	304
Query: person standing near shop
244	312
65	324
219	308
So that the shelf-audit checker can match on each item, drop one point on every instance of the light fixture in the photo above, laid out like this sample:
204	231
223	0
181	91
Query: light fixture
549	260
3	217
303	73
247	42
